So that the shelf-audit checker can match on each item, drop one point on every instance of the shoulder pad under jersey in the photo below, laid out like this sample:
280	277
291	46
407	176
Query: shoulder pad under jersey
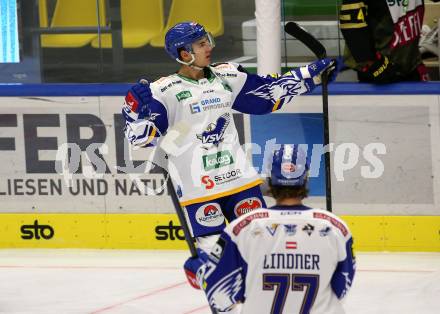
166	83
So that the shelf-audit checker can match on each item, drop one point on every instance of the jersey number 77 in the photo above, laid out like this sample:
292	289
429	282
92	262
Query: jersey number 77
281	283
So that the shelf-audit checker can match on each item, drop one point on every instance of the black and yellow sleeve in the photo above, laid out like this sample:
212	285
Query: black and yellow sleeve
353	19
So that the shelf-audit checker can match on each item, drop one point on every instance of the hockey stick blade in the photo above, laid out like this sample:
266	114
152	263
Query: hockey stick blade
303	36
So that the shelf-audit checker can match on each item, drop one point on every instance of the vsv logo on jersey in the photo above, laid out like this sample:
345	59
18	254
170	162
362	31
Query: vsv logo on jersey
217	160
247	205
210	215
37	231
214	132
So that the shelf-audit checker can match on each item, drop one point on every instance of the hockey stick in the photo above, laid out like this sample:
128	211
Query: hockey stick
319	51
172	144
180	215
169	147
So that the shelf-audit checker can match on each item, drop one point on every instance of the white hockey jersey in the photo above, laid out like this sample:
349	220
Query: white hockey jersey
210	163
284	260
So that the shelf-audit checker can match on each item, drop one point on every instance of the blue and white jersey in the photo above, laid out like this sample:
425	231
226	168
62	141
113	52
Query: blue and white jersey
283	260
212	163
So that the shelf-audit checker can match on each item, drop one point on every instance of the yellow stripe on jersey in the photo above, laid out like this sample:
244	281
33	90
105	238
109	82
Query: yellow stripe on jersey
151	137
222	194
353	25
353	15
277	104
345	17
353	6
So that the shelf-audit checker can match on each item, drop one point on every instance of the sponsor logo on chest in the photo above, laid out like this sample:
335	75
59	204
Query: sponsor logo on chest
183	95
217	160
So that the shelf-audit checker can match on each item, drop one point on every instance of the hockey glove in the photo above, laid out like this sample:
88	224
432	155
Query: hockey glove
138	97
318	67
311	74
381	71
194	268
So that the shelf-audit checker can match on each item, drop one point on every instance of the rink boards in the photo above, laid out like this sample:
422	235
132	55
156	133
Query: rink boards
162	232
396	209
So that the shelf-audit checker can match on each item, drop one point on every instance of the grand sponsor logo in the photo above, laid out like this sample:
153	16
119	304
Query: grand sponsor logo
210	101
195	108
247	205
210	215
208	104
37	231
217	160
169	231
183	95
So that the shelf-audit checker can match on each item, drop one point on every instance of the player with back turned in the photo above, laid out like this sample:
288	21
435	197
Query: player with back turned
212	177
287	259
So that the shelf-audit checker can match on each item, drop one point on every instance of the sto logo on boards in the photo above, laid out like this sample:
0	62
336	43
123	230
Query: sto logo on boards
37	231
169	232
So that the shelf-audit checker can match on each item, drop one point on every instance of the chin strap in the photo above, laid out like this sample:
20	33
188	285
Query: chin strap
190	63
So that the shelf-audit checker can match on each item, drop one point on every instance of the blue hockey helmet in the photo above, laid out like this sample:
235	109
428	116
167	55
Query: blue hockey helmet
182	35
290	166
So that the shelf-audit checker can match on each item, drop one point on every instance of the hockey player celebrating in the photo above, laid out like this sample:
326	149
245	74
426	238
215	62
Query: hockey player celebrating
212	179
287	259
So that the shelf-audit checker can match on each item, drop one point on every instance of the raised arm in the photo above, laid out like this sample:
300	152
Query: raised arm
145	116
255	94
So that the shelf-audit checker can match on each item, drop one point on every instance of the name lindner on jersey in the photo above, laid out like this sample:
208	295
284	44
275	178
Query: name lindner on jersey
270	258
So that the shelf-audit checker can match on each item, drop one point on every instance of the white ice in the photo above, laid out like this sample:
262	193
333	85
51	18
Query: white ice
128	281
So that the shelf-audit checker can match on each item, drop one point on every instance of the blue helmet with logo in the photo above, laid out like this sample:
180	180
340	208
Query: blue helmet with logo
290	166
182	35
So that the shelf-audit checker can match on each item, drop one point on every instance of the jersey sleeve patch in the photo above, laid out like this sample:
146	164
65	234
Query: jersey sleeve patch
246	221
333	221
